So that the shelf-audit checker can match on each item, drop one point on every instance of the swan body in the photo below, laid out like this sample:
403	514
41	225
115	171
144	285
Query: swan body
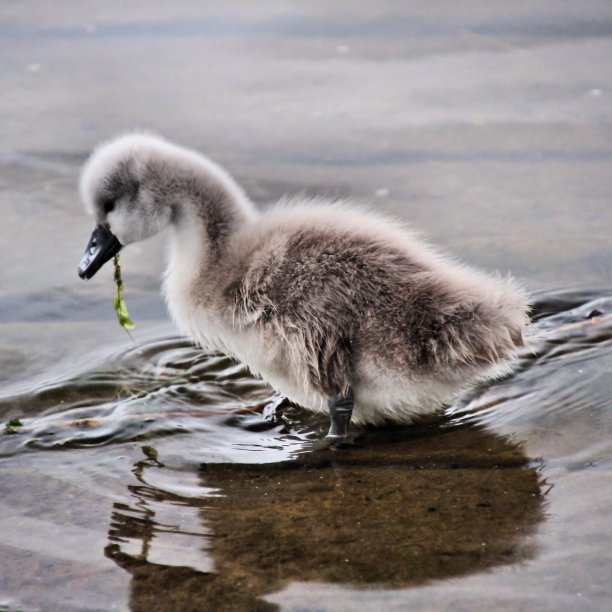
317	298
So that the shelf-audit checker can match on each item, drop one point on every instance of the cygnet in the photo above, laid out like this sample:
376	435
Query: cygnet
339	309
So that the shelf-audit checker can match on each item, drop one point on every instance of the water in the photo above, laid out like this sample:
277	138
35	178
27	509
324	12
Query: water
489	130
237	506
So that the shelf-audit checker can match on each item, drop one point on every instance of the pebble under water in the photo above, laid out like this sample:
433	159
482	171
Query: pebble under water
173	478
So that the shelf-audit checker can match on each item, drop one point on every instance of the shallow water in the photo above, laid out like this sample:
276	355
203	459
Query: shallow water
485	126
238	512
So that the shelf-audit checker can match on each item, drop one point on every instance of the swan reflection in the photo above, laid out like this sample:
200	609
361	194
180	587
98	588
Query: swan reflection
403	507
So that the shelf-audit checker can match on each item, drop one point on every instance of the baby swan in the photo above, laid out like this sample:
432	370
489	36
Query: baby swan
336	308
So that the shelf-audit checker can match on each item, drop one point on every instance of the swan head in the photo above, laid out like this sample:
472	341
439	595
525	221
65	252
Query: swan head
120	186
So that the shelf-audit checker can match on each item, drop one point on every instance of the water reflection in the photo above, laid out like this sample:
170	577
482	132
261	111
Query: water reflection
403	507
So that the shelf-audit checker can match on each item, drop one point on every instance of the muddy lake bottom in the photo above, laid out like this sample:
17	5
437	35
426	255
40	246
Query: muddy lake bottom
162	478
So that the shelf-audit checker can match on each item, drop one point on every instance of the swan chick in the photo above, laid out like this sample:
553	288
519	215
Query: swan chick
339	309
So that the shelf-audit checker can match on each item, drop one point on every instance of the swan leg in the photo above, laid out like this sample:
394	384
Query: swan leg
340	411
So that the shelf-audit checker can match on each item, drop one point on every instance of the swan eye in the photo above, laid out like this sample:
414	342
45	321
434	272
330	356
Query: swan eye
108	205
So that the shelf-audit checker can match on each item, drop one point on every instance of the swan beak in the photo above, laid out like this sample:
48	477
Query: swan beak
102	245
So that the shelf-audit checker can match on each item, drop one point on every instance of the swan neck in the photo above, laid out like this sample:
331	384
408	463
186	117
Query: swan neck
205	201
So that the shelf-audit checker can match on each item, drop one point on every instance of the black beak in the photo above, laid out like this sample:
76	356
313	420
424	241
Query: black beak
102	245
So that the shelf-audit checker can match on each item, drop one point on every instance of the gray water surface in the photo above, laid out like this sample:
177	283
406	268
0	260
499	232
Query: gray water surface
488	128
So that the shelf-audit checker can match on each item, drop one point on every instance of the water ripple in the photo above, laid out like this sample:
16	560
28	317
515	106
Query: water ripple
170	387
561	381
163	387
